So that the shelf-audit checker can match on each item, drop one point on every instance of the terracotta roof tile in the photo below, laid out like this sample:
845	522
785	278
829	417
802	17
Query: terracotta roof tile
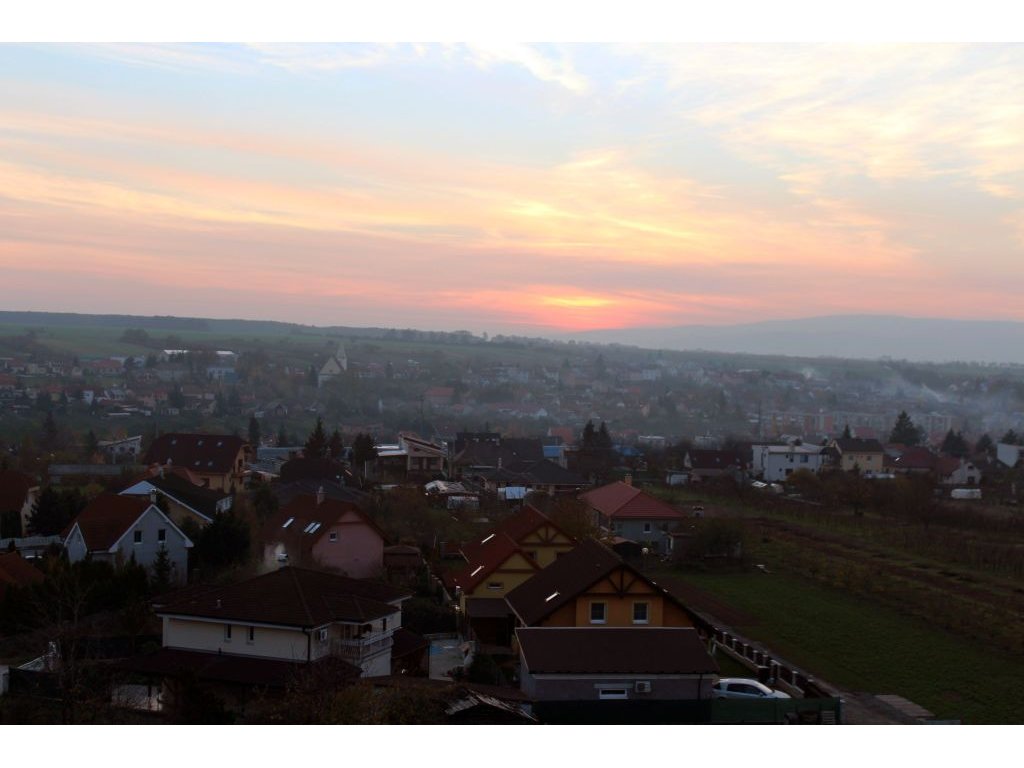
619	500
106	519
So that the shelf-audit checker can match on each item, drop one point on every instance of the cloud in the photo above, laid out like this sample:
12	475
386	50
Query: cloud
556	69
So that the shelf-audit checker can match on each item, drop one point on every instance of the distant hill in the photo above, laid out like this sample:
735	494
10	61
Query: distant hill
847	336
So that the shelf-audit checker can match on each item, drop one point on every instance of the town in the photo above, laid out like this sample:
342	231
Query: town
207	521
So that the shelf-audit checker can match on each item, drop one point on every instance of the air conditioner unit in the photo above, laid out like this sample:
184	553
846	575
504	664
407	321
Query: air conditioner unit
642	686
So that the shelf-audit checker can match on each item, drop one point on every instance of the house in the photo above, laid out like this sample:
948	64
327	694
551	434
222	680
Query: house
774	463
125	450
703	464
291	615
540	475
617	674
862	454
184	499
412	456
592	586
631	513
218	461
503	559
953	471
332	368
910	460
18	495
314	530
118	529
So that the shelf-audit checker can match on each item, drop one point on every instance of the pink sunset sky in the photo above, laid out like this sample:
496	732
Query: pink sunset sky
511	187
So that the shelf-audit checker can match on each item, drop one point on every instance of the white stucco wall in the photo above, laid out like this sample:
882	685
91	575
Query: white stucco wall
208	636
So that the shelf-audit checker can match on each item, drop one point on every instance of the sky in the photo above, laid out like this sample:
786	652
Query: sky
513	188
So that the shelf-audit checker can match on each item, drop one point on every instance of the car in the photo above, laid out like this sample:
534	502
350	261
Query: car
744	688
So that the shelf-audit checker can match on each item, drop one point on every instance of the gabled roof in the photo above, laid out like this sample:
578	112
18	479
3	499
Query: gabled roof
14	488
309	521
619	501
293	597
546	472
212	454
484	558
567	578
201	500
515	528
106	519
614	650
858	445
915	457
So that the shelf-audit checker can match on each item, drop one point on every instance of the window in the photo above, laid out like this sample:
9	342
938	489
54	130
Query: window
321	635
288	522
597	613
227	633
251	637
641	613
647	527
138	537
612	693
333	536
383	624
161	535
496	585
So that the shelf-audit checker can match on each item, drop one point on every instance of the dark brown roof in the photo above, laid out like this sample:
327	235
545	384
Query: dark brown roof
565	579
195	497
14	488
211	454
614	650
858	445
294	597
620	500
487	608
106	519
225	668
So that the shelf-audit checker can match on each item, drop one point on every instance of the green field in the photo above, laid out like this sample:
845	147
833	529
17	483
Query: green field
860	646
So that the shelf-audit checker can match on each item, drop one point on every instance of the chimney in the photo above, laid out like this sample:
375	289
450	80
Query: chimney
320	496
152	496
628	479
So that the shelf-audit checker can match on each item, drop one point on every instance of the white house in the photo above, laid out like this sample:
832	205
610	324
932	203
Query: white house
293	615
119	529
777	462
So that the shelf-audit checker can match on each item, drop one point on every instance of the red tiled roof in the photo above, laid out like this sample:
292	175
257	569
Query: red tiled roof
946	465
14	488
16	571
484	559
304	512
211	454
619	500
106	518
614	650
294	597
915	457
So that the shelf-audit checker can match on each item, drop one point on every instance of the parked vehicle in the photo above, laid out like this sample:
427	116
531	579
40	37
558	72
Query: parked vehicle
744	688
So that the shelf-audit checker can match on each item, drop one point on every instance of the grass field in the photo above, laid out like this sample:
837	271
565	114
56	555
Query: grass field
858	645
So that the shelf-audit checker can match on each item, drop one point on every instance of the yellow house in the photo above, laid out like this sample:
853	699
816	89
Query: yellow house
502	560
863	455
593	587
